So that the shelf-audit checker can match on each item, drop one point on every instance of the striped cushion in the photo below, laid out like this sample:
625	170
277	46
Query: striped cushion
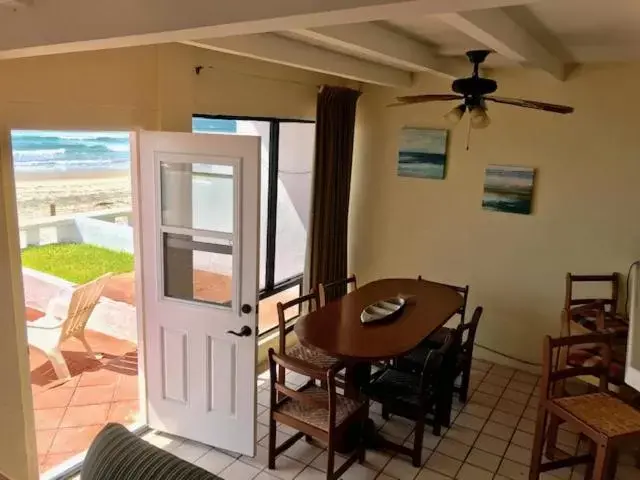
117	454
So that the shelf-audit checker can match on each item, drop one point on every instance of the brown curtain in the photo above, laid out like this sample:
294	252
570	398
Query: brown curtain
335	125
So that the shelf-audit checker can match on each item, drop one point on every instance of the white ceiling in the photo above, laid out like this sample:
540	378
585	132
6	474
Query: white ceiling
549	34
383	42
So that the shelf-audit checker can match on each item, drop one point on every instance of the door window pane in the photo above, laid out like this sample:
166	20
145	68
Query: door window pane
255	128
197	268
294	197
197	196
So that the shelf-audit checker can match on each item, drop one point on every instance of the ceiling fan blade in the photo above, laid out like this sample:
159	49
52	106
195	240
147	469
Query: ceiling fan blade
520	102
444	97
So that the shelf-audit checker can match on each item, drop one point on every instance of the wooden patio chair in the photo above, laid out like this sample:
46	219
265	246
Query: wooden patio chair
313	411
50	331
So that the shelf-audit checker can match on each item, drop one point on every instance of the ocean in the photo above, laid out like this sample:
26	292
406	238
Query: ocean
36	151
50	151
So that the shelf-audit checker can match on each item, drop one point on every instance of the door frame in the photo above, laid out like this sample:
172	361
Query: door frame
15	297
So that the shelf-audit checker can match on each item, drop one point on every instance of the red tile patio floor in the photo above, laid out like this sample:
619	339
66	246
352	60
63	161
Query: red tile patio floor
69	415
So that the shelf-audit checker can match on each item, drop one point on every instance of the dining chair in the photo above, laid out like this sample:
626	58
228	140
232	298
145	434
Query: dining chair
595	313
66	318
414	360
601	417
416	395
330	291
285	326
437	338
315	412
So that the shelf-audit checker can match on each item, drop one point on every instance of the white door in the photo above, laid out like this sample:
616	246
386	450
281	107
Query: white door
198	206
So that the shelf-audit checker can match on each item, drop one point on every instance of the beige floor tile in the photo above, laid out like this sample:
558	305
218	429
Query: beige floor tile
214	461
453	449
287	468
490	389
261	459
320	462
469	421
496	380
522	439
515	396
508	406
477	410
513	470
426	474
400	467
507	372
528	426
491	444
483	459
359	472
518	454
471	472
485	399
239	471
303	452
498	430
504	418
462	435
526	377
443	464
520	386
311	473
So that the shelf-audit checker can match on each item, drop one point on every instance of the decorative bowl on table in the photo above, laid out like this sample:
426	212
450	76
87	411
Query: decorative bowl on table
382	310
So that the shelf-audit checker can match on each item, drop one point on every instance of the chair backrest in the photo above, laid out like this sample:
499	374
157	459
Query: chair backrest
309	300
608	301
439	365
83	301
278	366
462	290
468	333
554	365
330	291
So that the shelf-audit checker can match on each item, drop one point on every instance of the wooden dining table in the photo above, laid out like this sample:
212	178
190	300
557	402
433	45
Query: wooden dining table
336	328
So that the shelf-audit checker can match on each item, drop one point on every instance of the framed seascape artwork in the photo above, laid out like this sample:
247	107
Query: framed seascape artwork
508	189
422	153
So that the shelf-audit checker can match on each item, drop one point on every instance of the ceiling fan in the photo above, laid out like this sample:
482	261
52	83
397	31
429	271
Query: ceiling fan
474	92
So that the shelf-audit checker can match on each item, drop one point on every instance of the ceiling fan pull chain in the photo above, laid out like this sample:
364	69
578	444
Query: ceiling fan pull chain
468	133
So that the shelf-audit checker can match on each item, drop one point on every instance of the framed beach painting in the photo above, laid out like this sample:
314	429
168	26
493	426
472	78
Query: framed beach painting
422	153
508	189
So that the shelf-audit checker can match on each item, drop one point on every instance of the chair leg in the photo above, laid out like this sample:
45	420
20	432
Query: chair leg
417	442
385	412
272	443
363	432
538	443
602	462
331	456
552	437
59	363
87	347
464	383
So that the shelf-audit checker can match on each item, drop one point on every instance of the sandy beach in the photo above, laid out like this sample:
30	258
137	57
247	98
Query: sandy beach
71	193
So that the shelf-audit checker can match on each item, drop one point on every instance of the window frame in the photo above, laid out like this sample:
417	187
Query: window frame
270	286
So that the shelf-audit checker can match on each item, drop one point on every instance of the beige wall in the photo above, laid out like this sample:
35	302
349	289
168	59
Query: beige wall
148	87
586	214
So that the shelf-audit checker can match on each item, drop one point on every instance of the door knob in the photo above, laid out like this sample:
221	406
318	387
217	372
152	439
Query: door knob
246	309
245	331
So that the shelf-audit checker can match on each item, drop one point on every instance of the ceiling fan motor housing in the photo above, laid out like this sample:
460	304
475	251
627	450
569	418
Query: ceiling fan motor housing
474	86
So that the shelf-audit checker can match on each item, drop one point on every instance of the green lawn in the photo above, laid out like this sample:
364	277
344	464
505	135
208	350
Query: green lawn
76	262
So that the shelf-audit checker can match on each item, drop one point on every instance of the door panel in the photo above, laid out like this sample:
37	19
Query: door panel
199	214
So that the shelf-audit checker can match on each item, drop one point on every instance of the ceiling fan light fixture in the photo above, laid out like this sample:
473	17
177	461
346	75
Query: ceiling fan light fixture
479	118
456	113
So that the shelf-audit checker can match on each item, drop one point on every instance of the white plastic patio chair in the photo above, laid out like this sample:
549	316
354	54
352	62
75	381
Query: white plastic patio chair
48	332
